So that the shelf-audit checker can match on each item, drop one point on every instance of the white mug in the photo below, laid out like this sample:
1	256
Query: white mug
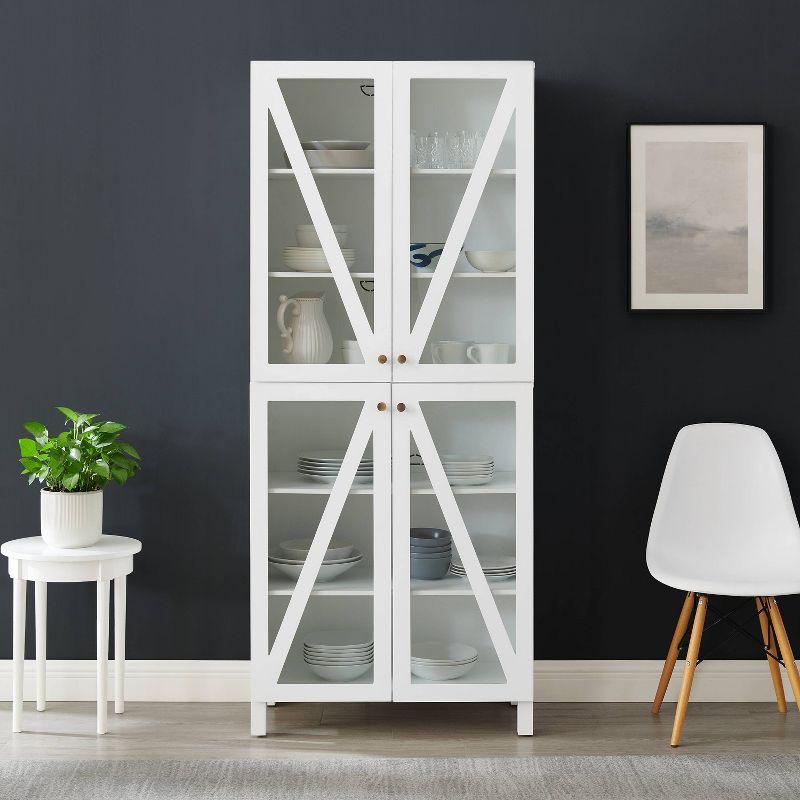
489	353
352	355
449	352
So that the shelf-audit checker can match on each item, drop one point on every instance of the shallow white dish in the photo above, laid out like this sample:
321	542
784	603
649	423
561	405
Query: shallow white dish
307	235
334	144
350	652
339	638
356	556
492	260
328	455
332	471
492	563
327	572
298	548
338	663
441	651
454	481
439	672
331	479
340	159
339	674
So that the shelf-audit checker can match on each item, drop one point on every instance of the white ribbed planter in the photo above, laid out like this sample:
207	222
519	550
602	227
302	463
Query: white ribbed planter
72	519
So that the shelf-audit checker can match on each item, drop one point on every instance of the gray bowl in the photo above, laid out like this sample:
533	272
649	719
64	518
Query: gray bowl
431	556
430	537
429	569
445	548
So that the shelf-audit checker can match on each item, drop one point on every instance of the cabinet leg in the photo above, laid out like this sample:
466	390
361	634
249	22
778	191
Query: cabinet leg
102	656
20	587
258	719
119	644
525	718
40	602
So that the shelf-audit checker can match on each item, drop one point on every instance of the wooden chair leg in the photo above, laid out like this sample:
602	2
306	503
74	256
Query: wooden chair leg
688	672
672	653
786	649
771	647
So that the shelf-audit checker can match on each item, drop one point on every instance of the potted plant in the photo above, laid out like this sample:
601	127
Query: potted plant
73	468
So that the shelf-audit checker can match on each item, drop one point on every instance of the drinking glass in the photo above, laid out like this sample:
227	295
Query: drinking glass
436	149
421	150
455	150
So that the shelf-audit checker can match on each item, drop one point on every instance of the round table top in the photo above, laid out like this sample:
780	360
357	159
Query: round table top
34	549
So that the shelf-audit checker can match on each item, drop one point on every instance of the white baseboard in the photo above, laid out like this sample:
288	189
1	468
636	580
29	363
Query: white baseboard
554	681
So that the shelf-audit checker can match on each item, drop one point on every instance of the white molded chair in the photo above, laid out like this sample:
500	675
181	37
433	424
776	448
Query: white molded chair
724	524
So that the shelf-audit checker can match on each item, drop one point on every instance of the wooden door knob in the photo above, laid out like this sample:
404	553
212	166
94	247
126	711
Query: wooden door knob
401	359
401	406
381	406
382	359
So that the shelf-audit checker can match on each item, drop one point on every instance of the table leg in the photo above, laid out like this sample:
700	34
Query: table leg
102	655
40	597
20	587
258	718
525	718
119	644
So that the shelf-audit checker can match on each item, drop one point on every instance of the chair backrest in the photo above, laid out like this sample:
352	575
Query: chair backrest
724	500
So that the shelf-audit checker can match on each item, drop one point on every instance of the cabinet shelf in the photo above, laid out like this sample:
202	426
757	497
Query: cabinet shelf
292	483
416	172
324	172
371	275
359	583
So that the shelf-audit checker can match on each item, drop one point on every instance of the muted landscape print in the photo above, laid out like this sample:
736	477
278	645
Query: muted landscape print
696	239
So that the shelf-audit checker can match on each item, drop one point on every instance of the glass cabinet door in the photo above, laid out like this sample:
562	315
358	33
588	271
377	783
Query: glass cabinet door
320	542
463	221
320	221
462	513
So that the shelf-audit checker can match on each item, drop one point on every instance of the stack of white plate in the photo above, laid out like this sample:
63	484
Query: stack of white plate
339	558
324	465
312	259
442	661
495	568
468	470
339	655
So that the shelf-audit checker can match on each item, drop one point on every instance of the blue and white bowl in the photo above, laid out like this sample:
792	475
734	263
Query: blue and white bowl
425	255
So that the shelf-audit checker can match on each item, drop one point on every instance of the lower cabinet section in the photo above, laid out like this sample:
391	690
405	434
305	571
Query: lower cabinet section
391	544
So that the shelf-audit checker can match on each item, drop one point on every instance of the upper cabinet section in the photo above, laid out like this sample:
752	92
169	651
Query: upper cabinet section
391	221
463	221
320	221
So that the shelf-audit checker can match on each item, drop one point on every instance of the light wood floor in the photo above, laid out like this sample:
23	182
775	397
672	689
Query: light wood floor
304	730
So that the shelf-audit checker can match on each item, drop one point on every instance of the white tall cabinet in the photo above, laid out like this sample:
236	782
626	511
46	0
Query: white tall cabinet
399	407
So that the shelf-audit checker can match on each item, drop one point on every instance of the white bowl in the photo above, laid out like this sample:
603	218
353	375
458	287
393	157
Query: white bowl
307	235
298	548
438	672
339	674
492	260
327	572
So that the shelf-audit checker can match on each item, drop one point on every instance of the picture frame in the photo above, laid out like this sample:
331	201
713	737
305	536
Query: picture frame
696	216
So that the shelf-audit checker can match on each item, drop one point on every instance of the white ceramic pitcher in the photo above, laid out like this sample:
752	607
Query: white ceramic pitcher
307	339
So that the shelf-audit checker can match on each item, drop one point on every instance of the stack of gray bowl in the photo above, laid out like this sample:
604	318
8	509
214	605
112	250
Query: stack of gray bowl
431	550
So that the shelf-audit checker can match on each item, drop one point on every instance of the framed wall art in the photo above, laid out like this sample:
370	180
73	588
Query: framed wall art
696	217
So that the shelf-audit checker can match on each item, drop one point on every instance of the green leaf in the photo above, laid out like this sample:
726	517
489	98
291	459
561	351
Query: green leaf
70	481
129	449
35	428
111	427
32	464
31	478
27	447
120	475
100	467
68	413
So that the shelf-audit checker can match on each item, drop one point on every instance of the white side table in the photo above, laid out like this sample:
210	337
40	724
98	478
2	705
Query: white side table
32	560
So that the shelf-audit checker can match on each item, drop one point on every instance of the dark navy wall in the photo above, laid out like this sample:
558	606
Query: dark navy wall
124	281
